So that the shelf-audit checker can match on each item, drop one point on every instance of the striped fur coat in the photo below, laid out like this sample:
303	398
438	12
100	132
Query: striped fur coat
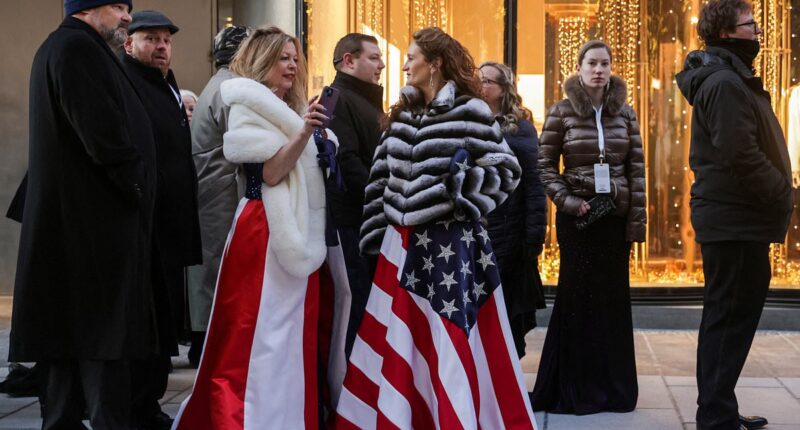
444	161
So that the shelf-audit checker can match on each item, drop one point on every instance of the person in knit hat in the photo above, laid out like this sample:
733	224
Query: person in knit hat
82	296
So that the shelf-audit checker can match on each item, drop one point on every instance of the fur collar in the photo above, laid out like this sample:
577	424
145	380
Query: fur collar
262	101
444	100
615	99
258	126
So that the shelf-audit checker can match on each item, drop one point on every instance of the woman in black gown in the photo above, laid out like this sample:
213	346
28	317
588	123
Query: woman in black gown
588	363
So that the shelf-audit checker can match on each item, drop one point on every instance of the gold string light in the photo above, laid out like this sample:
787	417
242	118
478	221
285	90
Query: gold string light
619	24
572	33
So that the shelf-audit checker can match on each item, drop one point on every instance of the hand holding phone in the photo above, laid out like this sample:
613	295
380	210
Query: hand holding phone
328	100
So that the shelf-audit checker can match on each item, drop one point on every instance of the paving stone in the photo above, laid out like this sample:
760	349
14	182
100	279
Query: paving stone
180	397
650	419
686	381
793	384
777	404
653	393
171	409
749	382
540	420
13	404
530	379
676	352
24	419
168	396
181	379
686	400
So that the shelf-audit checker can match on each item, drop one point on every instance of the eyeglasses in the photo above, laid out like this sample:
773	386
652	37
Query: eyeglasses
752	23
485	81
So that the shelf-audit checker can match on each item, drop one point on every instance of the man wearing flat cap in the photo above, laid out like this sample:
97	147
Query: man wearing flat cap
82	296
176	231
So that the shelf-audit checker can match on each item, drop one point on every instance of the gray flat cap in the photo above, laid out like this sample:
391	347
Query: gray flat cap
150	19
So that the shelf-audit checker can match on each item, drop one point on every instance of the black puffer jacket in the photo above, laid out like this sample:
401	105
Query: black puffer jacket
742	188
522	218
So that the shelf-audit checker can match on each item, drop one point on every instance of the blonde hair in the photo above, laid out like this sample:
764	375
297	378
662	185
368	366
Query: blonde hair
511	103
258	55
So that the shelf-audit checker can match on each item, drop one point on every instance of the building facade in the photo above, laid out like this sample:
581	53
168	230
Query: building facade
538	38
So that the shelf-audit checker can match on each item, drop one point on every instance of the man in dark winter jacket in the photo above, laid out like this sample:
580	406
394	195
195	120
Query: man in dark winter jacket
176	231
356	122
741	200
82	297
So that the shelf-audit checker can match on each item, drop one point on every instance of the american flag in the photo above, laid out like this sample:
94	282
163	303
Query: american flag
434	350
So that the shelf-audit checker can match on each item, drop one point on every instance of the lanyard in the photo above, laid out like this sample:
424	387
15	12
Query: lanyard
601	140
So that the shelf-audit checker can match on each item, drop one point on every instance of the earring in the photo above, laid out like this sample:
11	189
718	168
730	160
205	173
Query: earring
608	84
430	82
580	80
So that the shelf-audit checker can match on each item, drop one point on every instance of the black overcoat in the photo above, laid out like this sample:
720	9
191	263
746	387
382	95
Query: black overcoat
177	227
356	123
82	289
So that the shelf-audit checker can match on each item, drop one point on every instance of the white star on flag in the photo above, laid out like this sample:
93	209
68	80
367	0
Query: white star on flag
446	253
428	264
486	260
423	240
449	307
462	166
485	235
466	297
448	281
411	280
478	290
468	238
431	293
465	268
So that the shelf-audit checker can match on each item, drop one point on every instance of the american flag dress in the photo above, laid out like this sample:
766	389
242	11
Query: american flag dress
434	350
269	336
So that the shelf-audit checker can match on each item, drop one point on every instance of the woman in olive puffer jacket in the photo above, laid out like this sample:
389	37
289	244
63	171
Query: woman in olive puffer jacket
588	363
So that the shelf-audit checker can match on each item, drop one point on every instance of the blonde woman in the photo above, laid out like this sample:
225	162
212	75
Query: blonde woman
259	366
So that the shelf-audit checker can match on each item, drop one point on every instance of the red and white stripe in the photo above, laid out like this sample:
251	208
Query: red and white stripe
411	368
267	333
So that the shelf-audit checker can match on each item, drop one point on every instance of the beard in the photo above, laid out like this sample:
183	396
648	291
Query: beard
115	37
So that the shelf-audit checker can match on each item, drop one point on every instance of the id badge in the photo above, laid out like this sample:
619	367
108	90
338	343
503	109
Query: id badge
602	178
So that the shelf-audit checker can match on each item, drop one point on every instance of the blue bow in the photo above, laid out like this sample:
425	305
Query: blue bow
326	158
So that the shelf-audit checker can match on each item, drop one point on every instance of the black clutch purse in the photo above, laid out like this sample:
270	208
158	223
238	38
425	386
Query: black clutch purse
601	205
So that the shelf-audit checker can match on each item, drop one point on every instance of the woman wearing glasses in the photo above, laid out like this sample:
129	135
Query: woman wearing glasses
517	227
588	362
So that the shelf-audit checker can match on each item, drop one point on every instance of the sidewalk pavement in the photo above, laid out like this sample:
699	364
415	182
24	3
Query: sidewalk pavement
769	386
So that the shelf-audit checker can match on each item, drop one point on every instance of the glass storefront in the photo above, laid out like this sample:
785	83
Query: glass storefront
650	39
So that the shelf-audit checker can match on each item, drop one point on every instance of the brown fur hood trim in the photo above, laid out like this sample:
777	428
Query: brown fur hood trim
616	96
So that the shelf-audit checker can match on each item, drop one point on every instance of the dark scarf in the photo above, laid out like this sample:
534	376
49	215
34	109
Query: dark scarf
746	49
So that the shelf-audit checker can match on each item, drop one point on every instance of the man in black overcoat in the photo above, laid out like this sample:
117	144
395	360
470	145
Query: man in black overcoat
741	200
176	231
356	122
82	295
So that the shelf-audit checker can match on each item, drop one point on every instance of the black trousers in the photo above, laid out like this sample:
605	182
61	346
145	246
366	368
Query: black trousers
102	387
149	383
360	270
737	278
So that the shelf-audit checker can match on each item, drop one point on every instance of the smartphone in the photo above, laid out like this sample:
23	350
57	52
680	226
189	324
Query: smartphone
328	99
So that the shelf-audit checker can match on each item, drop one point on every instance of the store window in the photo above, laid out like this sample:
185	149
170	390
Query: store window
650	39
